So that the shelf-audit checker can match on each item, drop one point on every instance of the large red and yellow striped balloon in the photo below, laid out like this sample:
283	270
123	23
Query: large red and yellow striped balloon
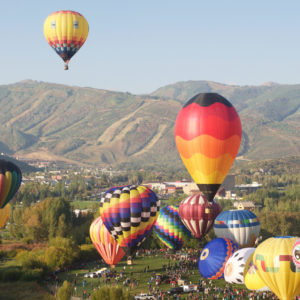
105	244
208	134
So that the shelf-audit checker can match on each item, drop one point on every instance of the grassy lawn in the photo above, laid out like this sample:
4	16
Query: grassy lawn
155	265
23	290
14	290
82	204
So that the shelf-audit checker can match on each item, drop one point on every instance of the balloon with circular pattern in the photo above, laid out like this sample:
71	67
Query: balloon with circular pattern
208	134
214	256
66	31
234	268
296	253
275	266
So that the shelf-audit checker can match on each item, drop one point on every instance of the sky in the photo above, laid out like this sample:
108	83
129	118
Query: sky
138	46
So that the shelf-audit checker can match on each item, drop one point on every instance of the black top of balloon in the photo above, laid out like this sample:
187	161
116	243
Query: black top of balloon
6	165
206	99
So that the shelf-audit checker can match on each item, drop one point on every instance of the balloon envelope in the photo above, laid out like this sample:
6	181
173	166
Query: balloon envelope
10	181
105	244
251	278
234	268
273	259
66	31
195	215
129	213
169	228
4	215
208	134
214	257
296	253
241	226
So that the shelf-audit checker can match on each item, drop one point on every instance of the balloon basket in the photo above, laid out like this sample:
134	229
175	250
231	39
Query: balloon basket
112	266
66	67
129	262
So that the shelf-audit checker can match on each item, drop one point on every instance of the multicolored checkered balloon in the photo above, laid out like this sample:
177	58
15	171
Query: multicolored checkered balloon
129	213
169	228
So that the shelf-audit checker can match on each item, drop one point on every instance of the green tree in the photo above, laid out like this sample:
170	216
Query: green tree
61	253
65	291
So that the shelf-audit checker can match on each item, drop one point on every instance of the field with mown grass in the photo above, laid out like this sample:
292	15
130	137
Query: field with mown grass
155	265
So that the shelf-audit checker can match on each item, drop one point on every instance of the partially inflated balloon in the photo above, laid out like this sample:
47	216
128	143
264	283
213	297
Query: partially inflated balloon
169	228
234	268
129	213
208	134
214	256
66	31
10	181
251	278
105	244
296	253
241	226
4	215
273	259
195	215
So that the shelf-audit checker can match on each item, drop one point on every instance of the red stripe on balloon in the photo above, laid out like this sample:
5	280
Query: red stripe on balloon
218	128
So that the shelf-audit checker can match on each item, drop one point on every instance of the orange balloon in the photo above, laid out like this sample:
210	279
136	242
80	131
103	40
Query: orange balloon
105	244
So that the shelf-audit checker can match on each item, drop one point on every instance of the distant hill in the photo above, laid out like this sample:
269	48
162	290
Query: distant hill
106	128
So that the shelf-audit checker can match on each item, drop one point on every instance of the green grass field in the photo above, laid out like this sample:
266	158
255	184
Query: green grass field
15	290
155	265
82	204
23	290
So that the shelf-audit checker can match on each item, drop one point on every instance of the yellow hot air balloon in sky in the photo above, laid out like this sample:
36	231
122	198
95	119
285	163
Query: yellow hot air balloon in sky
4	215
66	31
273	259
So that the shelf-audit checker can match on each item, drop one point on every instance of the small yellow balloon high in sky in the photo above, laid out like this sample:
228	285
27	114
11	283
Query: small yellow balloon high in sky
66	31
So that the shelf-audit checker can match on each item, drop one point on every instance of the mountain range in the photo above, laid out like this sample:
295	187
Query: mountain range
87	126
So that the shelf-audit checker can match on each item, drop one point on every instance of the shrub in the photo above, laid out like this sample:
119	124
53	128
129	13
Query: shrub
32	274
111	293
65	291
31	260
11	274
88	252
3	254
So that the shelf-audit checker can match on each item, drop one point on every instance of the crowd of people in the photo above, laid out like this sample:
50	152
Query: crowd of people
179	267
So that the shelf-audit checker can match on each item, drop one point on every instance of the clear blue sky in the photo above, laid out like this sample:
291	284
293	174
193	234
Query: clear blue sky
139	46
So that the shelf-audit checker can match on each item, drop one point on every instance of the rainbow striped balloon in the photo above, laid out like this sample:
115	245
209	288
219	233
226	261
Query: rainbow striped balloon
208	135
129	214
169	228
10	181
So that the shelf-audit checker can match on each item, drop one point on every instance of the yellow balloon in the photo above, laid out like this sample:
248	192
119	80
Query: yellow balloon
66	31
251	278
4	215
273	259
